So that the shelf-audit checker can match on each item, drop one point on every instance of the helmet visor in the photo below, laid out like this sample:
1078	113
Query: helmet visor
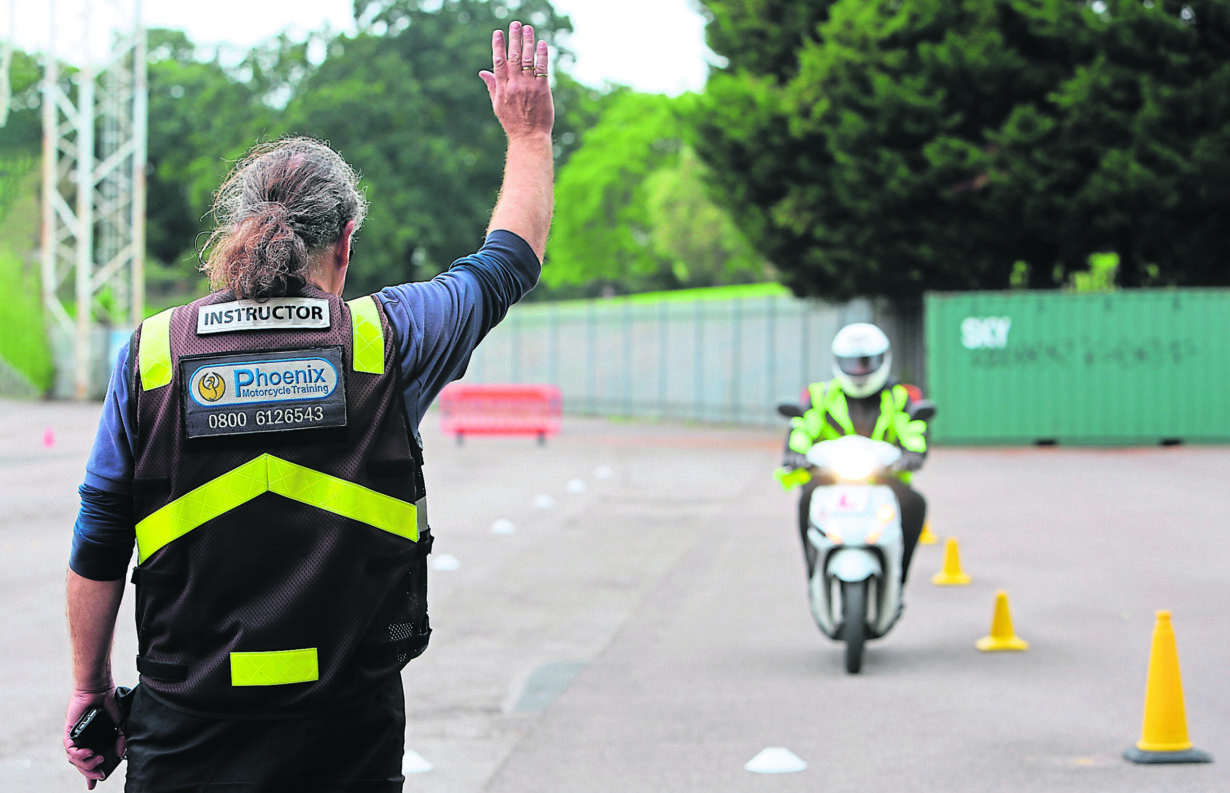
860	365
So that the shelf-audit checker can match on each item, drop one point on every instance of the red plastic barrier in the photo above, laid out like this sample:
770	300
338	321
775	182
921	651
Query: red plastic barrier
500	409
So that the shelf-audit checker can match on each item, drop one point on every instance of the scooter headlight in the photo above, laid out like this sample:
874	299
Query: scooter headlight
854	464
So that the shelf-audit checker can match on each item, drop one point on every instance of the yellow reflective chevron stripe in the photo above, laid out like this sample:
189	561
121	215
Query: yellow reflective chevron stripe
343	498
895	425
269	474
154	355
827	401
814	420
833	403
885	421
277	668
368	335
201	505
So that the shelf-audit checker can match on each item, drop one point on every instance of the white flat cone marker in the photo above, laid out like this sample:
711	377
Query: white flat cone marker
576	485
543	501
776	760
503	526
413	763
446	561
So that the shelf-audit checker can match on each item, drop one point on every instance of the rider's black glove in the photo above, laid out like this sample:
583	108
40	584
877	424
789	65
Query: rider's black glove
909	461
793	459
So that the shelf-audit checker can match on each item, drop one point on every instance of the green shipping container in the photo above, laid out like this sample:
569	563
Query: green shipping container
1128	367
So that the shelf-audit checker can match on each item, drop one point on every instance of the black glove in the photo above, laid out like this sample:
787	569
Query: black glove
793	459
909	461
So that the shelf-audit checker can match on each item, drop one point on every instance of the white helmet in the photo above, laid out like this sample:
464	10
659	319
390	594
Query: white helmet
862	359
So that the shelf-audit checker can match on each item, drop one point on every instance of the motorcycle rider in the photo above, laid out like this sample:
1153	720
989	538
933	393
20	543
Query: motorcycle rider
862	399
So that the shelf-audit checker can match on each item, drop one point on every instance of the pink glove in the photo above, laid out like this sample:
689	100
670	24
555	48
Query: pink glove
86	760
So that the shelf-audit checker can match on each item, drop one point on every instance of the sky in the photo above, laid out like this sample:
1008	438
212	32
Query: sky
655	46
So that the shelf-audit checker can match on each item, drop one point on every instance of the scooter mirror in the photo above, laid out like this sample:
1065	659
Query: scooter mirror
922	410
790	410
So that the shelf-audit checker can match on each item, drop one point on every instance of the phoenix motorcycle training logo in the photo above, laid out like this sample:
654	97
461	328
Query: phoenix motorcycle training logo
211	387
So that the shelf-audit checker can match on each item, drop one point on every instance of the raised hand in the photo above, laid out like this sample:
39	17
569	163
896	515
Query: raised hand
518	83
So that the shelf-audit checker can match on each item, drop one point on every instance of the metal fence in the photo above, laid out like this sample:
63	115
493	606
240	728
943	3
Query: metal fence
727	360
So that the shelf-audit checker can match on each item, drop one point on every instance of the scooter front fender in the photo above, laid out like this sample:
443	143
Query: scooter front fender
842	564
853	564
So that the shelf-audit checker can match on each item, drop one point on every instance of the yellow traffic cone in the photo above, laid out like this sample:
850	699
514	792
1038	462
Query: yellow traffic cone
1002	637
1163	738
928	537
951	575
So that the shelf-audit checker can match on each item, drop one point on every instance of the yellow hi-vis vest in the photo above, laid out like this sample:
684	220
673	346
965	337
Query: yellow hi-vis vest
277	491
829	418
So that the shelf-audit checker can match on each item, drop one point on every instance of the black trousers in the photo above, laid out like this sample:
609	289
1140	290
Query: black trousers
358	750
913	515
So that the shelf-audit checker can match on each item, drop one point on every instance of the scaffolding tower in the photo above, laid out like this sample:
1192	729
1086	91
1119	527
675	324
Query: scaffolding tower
94	157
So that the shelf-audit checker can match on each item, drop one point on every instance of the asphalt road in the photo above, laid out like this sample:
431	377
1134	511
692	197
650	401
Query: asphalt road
627	613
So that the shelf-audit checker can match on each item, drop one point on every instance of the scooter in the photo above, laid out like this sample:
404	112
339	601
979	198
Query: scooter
855	538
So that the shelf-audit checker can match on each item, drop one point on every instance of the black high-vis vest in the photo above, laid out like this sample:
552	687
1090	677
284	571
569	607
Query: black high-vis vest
277	491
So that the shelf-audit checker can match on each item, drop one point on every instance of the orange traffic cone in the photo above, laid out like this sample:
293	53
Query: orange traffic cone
951	575
1163	738
1002	637
928	537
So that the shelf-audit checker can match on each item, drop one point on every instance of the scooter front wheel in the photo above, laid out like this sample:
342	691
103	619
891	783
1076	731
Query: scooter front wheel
854	623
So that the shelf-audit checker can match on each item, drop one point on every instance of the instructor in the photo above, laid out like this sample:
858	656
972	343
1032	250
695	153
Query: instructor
259	446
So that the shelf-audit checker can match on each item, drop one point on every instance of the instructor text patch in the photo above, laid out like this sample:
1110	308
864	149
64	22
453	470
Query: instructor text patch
276	313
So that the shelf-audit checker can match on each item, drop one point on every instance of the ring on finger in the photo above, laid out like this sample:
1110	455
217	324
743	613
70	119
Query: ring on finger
527	68
540	74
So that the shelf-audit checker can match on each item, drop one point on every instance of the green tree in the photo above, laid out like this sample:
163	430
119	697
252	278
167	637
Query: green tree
201	119
401	102
25	352
22	128
764	36
601	235
632	213
700	240
933	144
578	107
1137	146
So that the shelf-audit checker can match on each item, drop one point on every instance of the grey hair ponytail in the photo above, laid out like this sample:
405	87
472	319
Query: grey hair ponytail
282	202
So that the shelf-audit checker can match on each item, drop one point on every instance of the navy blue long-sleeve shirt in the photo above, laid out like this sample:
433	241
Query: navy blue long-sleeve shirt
437	324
